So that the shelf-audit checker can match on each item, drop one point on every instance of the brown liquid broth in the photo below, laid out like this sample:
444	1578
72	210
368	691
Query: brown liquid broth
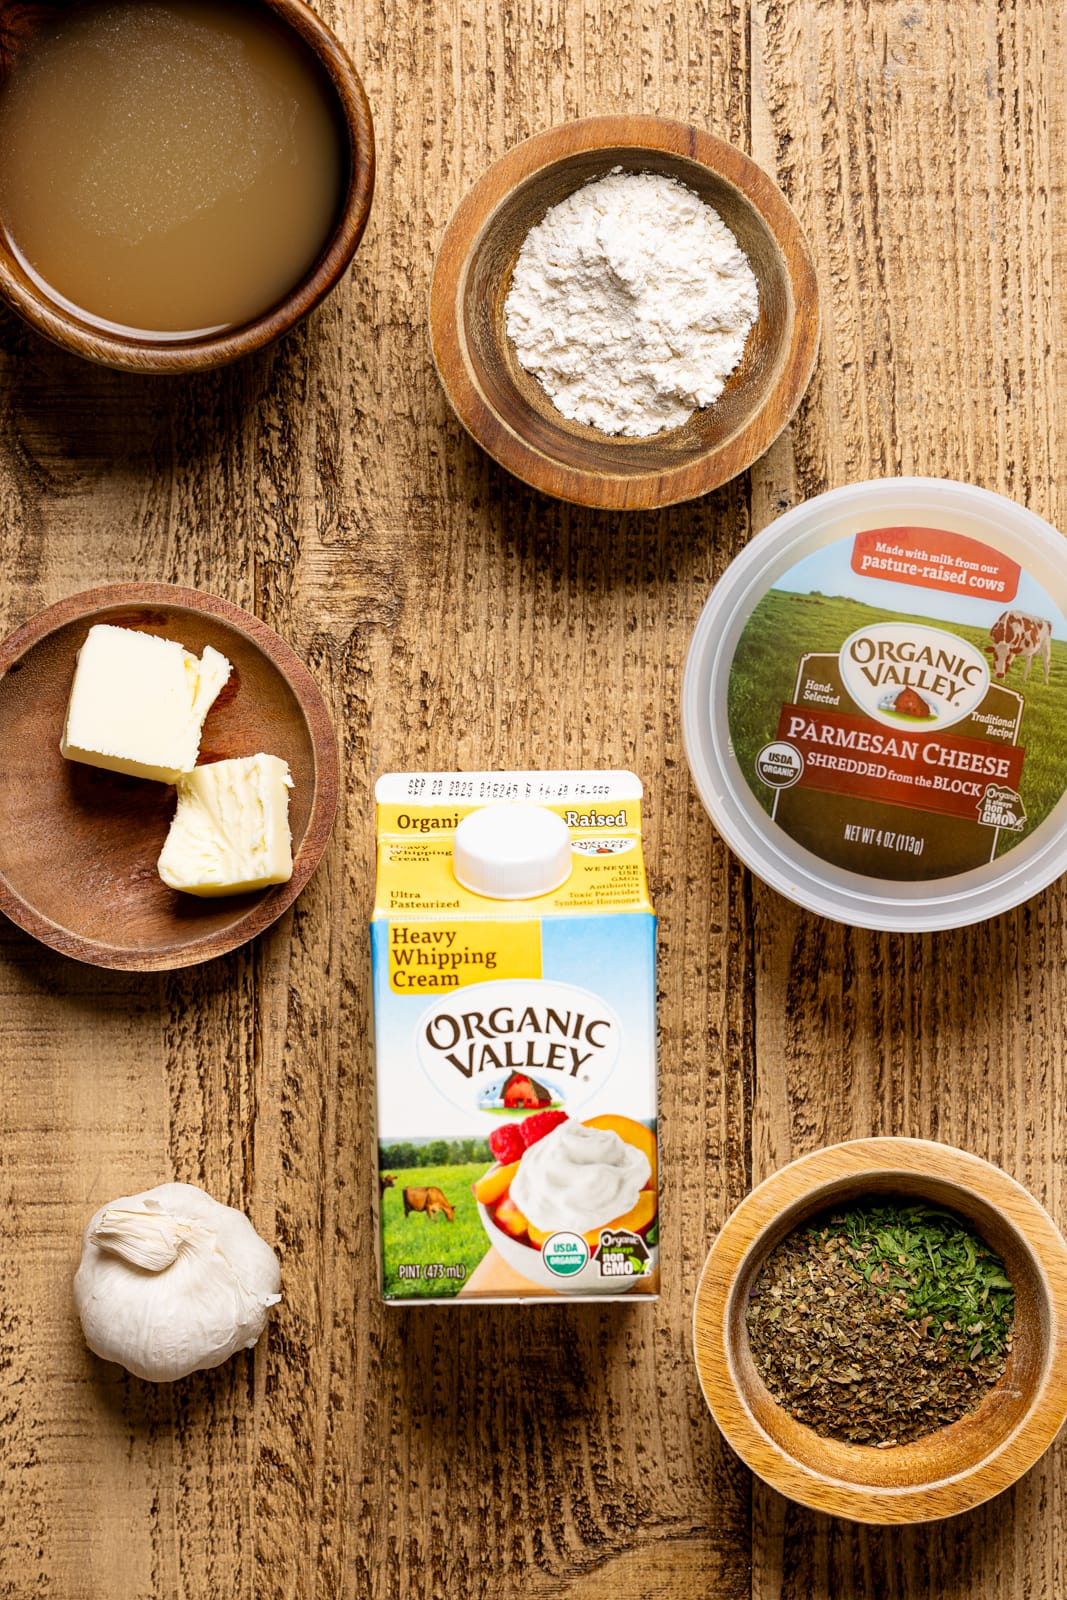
171	167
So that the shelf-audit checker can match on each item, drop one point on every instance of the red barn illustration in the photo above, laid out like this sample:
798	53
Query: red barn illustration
910	704
522	1093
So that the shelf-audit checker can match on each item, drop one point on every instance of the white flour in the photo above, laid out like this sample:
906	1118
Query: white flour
631	302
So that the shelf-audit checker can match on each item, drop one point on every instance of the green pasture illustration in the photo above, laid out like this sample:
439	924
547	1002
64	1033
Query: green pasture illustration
784	627
426	1255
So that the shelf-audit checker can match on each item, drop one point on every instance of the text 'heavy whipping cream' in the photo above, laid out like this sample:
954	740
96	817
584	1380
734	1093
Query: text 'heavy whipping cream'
874	700
513	951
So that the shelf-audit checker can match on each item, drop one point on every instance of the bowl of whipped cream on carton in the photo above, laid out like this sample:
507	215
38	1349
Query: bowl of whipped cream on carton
513	959
874	704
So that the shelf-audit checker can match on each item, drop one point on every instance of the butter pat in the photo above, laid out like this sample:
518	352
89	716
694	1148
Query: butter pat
138	703
230	832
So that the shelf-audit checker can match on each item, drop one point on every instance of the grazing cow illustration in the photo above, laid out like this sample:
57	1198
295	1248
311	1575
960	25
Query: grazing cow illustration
1016	634
385	1181
431	1201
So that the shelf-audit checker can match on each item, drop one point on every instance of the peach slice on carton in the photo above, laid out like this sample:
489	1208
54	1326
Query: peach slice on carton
637	1218
635	1133
633	1221
510	1218
494	1183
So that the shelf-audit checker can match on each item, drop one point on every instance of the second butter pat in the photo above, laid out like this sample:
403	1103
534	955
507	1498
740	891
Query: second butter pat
138	703
230	833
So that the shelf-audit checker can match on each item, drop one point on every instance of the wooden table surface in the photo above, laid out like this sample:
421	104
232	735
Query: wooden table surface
455	619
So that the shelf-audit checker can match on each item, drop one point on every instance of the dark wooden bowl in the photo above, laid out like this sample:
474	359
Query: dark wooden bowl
18	20
78	846
958	1466
505	409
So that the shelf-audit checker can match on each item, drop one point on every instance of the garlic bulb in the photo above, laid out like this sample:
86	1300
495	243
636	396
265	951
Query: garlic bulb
171	1281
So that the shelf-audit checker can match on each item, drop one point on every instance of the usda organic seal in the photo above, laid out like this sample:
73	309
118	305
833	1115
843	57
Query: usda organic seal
565	1254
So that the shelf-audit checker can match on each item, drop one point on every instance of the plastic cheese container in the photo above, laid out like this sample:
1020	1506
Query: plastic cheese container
875	704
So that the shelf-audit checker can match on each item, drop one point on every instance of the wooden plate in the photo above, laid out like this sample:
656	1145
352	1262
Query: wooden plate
505	409
78	846
958	1466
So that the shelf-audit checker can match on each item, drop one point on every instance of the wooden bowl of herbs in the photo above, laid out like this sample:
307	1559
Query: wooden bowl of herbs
880	1330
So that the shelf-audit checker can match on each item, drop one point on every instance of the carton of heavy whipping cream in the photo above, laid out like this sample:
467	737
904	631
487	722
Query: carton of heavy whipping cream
513	953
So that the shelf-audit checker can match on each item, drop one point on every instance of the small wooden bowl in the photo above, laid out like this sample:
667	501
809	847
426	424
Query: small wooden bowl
19	19
506	410
950	1470
78	846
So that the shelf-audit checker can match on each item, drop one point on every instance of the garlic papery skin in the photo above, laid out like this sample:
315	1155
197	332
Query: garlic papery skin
171	1282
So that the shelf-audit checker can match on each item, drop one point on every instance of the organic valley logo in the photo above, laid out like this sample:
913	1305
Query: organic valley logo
564	1037
901	673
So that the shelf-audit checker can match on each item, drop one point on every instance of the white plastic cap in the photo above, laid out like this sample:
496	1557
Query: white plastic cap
512	852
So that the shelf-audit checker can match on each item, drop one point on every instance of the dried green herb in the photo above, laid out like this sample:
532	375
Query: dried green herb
881	1323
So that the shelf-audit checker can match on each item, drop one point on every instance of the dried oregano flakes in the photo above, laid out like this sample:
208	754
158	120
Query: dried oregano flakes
881	1322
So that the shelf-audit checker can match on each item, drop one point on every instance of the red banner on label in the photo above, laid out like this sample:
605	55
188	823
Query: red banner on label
932	558
949	773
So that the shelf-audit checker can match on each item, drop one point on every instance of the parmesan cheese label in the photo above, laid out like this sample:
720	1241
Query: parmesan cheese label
895	703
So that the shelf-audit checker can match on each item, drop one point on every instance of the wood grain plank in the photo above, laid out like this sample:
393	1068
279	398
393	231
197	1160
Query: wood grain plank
914	141
453	618
516	622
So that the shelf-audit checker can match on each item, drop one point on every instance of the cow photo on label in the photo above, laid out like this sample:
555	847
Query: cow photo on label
1016	634
431	1201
